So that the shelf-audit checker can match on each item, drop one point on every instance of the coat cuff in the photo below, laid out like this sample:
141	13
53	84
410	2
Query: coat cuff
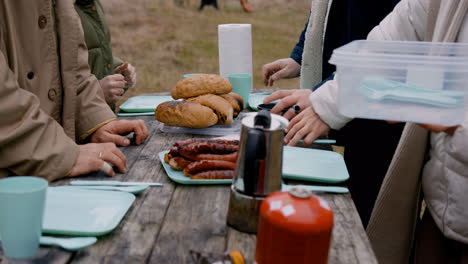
116	62
325	103
68	161
88	133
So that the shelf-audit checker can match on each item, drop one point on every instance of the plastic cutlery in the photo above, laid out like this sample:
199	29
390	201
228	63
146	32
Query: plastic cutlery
381	89
131	189
113	183
72	243
317	188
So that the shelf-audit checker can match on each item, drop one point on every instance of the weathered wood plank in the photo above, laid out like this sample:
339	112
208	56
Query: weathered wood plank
349	240
195	220
243	242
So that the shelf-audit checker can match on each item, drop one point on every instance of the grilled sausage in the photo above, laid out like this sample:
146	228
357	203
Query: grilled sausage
213	174
178	163
205	147
203	165
232	157
193	140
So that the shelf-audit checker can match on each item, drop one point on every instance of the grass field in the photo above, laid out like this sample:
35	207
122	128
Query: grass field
165	39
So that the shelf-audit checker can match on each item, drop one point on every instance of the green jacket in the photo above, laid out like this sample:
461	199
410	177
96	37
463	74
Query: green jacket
97	38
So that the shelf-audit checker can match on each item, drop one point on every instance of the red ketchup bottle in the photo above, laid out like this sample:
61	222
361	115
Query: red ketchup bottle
294	227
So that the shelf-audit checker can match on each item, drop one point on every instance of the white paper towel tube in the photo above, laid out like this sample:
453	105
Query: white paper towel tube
235	49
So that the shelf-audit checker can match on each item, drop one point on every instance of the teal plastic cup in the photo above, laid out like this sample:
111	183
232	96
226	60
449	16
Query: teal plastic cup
190	74
241	85
22	201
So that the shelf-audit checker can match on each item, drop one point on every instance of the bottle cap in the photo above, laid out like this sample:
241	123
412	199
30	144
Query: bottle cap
237	257
300	192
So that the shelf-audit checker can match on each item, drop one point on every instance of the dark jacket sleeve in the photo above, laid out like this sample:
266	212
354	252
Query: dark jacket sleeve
296	54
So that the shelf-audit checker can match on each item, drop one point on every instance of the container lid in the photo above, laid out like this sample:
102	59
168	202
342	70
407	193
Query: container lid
397	54
277	122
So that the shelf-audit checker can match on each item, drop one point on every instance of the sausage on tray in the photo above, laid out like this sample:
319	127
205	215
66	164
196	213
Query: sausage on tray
213	174
179	163
227	157
194	140
205	147
203	165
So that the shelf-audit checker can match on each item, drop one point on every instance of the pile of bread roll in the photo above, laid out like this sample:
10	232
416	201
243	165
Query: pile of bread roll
207	100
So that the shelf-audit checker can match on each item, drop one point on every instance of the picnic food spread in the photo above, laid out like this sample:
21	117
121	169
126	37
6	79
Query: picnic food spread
201	158
208	100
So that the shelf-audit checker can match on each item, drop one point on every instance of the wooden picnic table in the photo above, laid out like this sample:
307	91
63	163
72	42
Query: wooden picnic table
164	223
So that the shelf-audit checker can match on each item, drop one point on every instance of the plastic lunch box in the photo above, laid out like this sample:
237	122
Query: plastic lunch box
419	82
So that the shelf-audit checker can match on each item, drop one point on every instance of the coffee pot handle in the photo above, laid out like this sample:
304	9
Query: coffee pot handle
255	153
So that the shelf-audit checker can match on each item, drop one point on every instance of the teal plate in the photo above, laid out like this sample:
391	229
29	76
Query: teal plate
313	165
82	212
298	164
257	98
140	104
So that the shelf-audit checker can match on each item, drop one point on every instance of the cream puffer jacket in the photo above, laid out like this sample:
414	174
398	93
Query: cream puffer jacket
445	175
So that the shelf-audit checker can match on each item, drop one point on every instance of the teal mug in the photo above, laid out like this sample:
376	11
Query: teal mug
241	85
22	202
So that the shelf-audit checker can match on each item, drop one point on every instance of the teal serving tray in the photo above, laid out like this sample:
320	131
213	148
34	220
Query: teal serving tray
179	177
82	212
298	164
141	104
316	165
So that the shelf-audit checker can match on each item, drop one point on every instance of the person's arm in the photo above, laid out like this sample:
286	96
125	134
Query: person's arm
93	111
296	54
325	103
31	142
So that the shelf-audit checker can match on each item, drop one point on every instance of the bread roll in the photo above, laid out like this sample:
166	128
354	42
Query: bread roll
185	114
201	84
236	102
219	105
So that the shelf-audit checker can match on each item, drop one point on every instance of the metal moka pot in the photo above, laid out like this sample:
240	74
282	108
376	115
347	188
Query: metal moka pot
258	168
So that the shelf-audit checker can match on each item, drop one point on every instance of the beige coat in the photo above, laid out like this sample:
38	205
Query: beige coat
391	226
48	97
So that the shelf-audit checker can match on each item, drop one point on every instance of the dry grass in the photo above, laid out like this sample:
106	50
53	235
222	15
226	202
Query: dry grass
164	40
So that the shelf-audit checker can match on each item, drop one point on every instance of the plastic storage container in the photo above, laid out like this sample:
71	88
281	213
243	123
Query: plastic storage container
421	82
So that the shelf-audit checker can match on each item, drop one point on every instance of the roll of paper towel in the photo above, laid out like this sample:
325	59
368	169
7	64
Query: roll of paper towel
235	49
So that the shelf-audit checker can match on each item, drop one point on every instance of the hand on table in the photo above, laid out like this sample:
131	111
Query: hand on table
129	72
307	125
112	131
279	69
94	157
289	98
113	87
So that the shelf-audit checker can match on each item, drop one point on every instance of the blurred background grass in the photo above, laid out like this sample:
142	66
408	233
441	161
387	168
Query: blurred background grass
165	39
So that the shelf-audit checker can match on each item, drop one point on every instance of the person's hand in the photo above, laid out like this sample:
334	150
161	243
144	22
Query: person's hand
279	69
94	157
129	73
112	131
307	125
113	87
288	98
